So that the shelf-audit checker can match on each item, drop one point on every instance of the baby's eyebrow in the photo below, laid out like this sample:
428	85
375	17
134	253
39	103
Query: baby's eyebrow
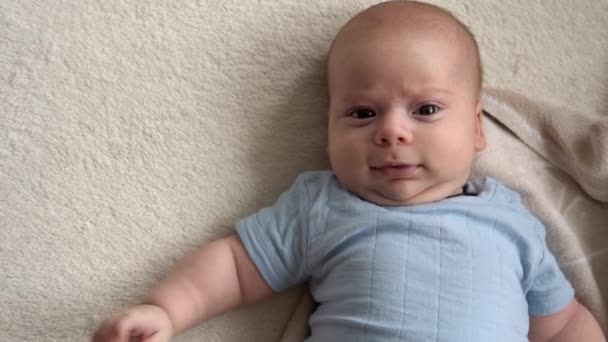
439	90
354	98
427	90
362	96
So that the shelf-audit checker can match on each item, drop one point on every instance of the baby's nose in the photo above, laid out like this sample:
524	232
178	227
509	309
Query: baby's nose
394	129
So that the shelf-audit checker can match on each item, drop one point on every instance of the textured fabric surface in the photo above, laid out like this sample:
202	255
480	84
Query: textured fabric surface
560	166
131	132
467	268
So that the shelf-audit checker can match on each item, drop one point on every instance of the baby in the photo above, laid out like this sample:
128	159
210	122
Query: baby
394	242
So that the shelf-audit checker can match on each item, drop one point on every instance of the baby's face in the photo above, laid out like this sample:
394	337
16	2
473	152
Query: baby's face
404	119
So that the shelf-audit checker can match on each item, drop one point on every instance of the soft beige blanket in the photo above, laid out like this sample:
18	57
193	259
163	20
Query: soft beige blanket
558	160
133	131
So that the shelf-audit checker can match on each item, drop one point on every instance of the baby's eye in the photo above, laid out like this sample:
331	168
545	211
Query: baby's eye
363	114
428	109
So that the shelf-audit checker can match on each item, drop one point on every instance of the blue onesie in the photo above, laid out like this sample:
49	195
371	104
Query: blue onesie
467	268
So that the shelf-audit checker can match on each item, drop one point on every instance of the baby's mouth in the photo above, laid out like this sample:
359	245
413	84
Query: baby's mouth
396	170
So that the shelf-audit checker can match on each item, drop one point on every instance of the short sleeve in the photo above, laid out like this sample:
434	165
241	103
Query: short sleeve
550	291
276	237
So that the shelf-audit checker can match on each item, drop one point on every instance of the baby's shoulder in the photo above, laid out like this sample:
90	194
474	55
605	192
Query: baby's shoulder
316	182
314	177
508	204
493	190
496	193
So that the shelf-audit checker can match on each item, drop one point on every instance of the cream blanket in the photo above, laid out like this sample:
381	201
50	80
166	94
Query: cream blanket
131	132
558	160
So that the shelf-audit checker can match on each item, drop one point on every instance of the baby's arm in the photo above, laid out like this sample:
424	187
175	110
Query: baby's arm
213	279
573	323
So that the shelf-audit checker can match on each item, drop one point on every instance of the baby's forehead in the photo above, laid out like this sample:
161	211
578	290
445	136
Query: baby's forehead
377	48
398	23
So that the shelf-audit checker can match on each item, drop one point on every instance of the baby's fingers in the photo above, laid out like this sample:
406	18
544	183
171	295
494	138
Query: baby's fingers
126	327
142	323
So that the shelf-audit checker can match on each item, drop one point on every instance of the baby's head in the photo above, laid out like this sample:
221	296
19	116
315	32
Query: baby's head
405	111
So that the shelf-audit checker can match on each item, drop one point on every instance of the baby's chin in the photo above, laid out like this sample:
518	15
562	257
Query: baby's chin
394	200
396	197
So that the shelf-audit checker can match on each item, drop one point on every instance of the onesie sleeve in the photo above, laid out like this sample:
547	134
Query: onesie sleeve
549	291
276	237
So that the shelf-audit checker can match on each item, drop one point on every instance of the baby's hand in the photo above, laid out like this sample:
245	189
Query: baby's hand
142	323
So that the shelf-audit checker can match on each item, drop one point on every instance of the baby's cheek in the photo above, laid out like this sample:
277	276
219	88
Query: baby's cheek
458	157
337	153
347	158
344	143
345	155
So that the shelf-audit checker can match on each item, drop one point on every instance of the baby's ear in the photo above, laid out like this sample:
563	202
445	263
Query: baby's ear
480	138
